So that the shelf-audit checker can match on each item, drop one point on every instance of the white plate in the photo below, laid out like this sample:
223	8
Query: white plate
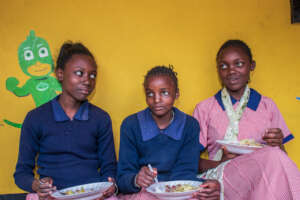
92	191
158	189
236	147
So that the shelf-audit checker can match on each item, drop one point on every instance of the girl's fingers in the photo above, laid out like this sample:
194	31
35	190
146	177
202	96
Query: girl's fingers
273	142
273	133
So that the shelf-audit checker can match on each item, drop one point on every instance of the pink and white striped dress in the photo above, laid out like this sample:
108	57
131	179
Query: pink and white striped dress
265	174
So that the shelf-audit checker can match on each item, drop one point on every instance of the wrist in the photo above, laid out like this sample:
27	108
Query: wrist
35	185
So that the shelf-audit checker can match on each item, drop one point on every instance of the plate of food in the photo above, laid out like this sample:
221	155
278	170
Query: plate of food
241	147
174	190
87	191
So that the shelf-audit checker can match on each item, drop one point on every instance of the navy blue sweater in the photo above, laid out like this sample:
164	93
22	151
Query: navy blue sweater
70	152
176	156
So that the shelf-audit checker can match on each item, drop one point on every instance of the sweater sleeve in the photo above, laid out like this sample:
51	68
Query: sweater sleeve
186	166
28	149
128	165
106	150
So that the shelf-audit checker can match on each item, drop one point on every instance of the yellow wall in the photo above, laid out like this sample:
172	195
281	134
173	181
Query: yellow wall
128	37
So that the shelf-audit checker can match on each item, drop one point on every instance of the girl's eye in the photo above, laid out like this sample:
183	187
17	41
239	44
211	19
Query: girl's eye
223	66
92	76
78	73
149	94
239	64
165	93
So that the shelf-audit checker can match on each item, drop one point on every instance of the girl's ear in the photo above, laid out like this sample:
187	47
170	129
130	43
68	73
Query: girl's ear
59	74
253	65
177	94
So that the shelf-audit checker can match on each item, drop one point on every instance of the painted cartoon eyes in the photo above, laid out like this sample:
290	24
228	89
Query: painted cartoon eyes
28	55
43	52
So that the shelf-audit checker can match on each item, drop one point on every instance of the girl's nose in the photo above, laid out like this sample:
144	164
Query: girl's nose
86	79
231	68
156	98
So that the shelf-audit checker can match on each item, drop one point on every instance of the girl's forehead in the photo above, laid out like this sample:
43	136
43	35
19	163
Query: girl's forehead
82	61
159	79
232	50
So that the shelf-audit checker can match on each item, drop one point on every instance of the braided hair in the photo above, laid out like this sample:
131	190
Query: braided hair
162	71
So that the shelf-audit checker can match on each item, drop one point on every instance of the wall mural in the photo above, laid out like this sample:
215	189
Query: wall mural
36	62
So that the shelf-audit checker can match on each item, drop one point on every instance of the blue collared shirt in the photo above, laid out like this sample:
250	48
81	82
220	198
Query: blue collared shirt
72	152
174	151
149	128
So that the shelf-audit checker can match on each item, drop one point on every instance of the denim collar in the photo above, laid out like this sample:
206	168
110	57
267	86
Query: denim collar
149	128
60	115
253	102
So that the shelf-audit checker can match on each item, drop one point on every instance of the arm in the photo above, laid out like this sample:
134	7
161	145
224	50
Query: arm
278	134
28	149
106	150
205	164
186	166
128	166
12	85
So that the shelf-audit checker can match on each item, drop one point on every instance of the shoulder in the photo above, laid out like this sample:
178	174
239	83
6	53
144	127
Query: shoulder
190	123
41	111
130	128
130	120
39	116
98	113
206	103
267	103
205	106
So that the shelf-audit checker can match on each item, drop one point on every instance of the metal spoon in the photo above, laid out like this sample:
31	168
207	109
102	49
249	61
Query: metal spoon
151	169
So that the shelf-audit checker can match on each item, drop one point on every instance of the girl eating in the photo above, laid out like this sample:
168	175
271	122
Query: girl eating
68	139
238	112
161	136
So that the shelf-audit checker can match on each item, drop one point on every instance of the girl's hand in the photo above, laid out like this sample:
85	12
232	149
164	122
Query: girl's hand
145	177
273	137
110	191
43	187
210	190
227	155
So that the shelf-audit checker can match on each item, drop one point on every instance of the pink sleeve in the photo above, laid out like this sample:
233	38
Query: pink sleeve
277	121
201	116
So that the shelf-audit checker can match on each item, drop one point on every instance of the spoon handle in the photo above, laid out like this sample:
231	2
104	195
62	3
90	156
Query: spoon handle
150	168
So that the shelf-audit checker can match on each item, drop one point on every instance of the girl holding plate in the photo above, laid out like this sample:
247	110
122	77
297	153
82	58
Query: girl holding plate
162	136
68	139
238	112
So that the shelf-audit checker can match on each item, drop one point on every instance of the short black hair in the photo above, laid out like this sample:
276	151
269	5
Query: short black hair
162	71
67	50
236	43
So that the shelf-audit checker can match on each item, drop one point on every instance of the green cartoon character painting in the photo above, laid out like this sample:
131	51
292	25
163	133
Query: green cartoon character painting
35	61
